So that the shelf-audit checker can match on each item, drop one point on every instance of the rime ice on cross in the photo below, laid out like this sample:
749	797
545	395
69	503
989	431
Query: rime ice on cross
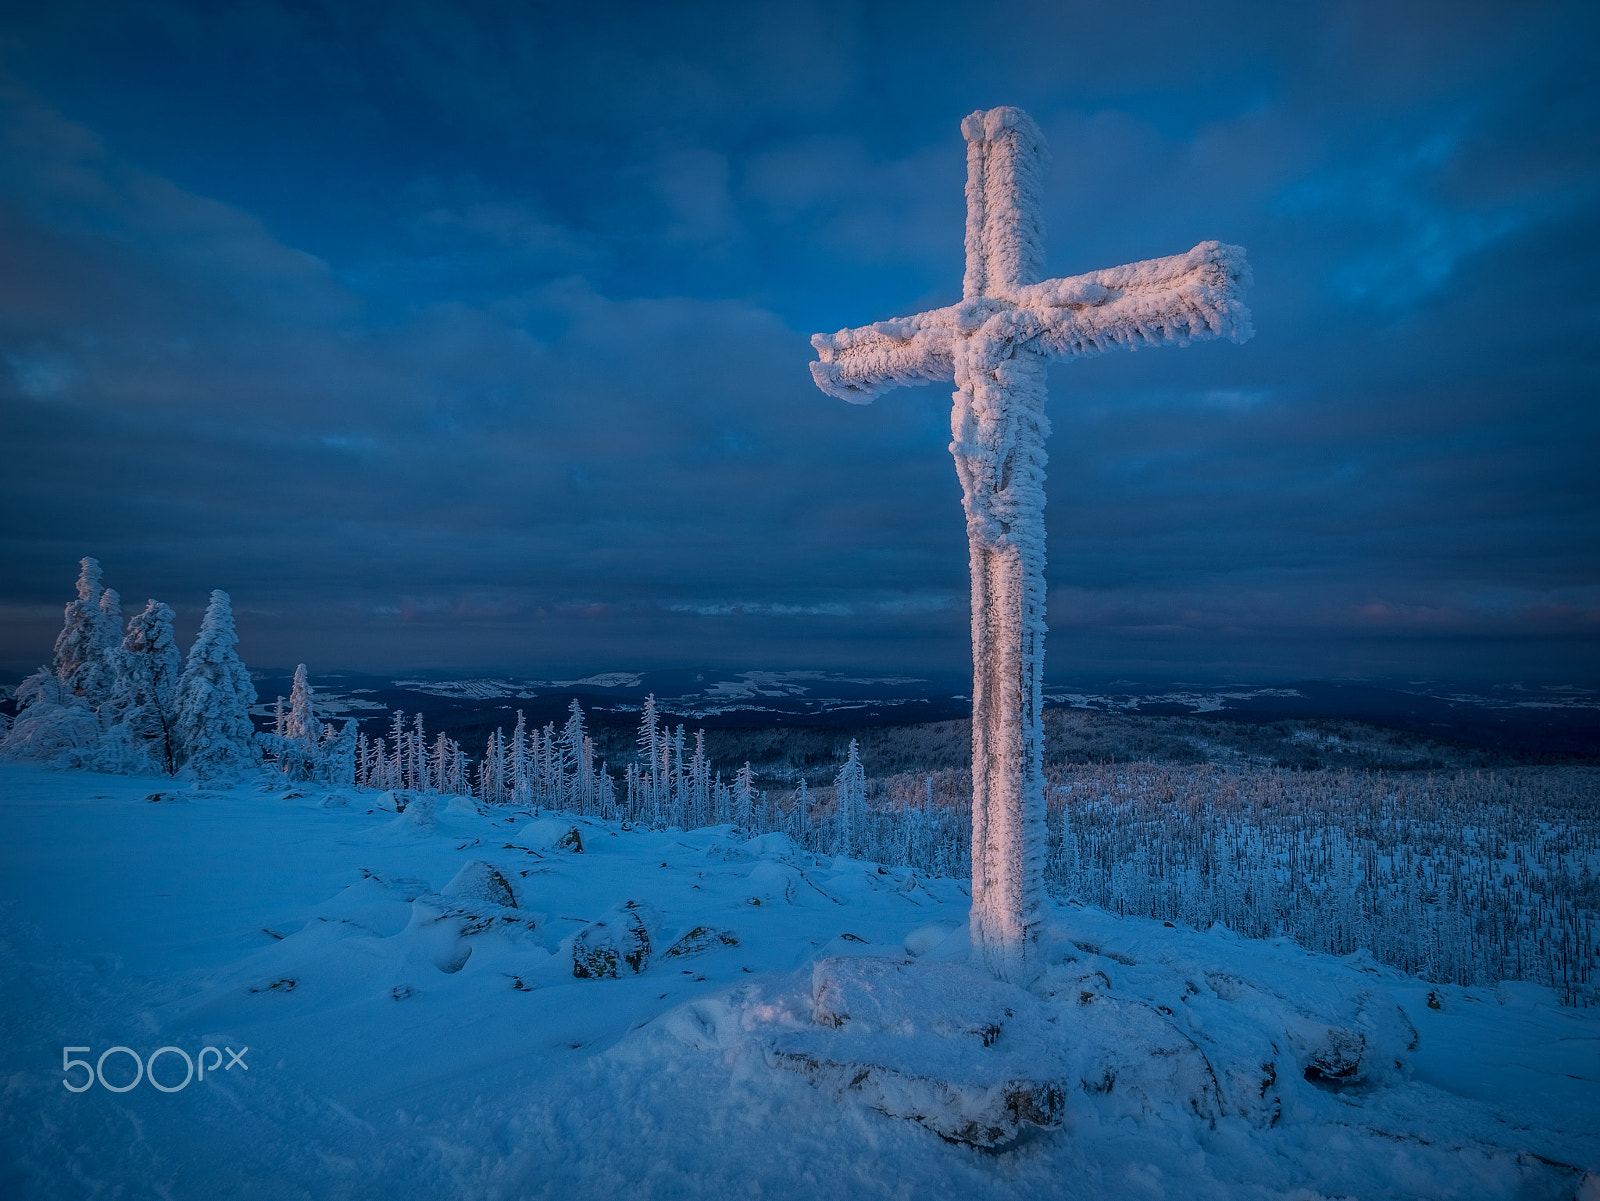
995	345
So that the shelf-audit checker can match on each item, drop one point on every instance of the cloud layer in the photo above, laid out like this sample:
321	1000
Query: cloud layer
472	335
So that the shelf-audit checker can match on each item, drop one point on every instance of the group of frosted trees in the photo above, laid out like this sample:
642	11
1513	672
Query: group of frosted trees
672	784
306	749
549	767
120	698
543	768
409	761
1467	879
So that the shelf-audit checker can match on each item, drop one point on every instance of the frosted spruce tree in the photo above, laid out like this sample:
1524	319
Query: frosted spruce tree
575	780
301	722
143	705
744	796
52	725
850	802
336	757
214	729
328	755
86	648
58	707
995	345
800	814
294	742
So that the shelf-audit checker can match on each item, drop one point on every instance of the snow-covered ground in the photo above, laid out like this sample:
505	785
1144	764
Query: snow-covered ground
411	1035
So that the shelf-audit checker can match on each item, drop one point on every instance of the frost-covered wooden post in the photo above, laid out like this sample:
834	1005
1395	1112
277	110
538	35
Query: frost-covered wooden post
995	345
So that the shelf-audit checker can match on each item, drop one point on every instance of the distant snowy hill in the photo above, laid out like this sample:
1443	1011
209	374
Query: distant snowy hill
1559	720
430	998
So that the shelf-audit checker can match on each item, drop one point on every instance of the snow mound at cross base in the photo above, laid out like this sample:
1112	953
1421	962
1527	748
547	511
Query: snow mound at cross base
917	1041
944	1046
976	1060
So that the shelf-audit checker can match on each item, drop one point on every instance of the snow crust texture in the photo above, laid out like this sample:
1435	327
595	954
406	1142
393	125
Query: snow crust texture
404	982
995	345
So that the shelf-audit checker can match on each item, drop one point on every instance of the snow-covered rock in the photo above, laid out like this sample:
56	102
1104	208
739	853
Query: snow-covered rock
551	834
619	942
480	881
700	939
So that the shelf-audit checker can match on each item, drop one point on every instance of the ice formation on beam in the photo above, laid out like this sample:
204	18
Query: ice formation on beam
994	345
1171	301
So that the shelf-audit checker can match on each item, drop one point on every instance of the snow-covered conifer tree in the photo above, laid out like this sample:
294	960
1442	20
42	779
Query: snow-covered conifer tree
336	756
296	740
588	781
540	758
675	772
396	759
301	721
801	811
650	743
59	722
213	728
700	774
439	763
144	703
417	741
520	786
52	725
78	641
366	761
85	640
456	781
744	798
410	776
850	799
575	787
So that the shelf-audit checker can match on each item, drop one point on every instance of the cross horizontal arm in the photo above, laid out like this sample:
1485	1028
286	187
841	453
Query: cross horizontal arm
859	365
1169	301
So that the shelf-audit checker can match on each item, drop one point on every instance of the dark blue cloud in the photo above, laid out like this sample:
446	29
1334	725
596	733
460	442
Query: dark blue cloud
447	334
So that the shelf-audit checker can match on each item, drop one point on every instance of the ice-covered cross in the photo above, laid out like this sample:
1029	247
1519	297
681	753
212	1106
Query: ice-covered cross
995	345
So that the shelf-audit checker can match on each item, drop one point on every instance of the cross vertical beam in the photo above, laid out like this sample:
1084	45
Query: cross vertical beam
998	428
999	451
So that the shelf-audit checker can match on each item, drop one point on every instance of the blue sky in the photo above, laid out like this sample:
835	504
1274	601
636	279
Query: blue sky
475	335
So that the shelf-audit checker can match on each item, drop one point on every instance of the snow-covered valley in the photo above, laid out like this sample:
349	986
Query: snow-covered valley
798	1026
